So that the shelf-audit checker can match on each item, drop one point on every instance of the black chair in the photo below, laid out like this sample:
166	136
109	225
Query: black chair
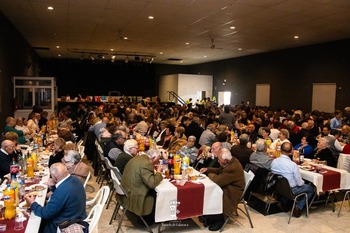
283	188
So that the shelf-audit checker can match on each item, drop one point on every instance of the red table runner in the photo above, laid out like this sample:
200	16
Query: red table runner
191	199
331	180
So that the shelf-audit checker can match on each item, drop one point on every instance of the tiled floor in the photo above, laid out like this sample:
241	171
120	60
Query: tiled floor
321	219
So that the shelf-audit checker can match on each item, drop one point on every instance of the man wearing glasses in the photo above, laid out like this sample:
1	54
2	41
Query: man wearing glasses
131	148
76	167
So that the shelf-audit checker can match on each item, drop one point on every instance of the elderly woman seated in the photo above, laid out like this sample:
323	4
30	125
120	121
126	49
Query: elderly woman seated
178	140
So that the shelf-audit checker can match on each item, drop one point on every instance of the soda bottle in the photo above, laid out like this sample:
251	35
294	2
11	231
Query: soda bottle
278	149
177	164
9	202
14	186
171	165
35	161
14	167
30	167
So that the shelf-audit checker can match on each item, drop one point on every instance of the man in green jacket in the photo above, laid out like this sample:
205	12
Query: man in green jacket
139	179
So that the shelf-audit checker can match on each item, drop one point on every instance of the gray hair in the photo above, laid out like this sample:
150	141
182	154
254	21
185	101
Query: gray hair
129	144
243	139
226	154
73	156
260	145
153	153
191	137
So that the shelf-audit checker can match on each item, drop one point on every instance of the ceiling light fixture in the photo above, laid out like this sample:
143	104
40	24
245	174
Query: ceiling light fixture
50	8
150	17
296	37
57	46
232	27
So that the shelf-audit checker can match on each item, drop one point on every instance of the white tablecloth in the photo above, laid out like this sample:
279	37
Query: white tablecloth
166	200
344	162
317	179
34	221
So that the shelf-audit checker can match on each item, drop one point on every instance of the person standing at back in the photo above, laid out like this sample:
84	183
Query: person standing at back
68	201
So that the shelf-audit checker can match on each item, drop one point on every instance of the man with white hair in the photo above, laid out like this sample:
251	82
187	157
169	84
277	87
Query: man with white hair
190	150
260	158
131	147
139	179
230	177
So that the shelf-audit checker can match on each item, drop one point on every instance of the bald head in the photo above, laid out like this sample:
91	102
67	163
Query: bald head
58	171
215	148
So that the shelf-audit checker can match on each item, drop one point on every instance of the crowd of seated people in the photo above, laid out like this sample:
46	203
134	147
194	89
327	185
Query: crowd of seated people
202	130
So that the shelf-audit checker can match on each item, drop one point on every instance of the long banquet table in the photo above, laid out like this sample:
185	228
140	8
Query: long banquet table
329	179
175	201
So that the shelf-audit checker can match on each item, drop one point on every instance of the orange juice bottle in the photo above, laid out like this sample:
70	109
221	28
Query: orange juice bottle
278	149
30	167
177	164
9	202
35	161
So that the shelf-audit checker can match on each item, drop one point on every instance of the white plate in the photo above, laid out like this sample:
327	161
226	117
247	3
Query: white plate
23	205
32	187
307	168
201	176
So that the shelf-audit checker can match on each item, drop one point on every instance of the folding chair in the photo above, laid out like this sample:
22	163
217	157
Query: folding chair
248	177
120	191
346	196
283	188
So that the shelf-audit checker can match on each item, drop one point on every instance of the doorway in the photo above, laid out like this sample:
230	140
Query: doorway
224	98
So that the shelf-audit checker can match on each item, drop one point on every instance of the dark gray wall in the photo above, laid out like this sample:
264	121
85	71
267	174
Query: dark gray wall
290	74
16	59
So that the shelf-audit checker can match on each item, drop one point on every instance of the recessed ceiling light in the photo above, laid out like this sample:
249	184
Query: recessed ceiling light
239	48
232	27
160	52
59	55
112	49
296	37
150	17
125	37
187	43
205	56
57	46
50	8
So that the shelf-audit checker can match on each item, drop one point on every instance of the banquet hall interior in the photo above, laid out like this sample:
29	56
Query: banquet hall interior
270	53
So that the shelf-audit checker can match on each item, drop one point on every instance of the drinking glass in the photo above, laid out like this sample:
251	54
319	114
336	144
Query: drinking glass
18	223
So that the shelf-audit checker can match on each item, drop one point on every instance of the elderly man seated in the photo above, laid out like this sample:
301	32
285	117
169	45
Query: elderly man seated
190	150
284	166
260	158
230	177
139	179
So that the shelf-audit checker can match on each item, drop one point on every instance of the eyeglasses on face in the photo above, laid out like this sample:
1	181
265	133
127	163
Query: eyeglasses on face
64	161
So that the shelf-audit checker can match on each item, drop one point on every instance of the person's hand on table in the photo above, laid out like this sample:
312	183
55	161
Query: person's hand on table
203	170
